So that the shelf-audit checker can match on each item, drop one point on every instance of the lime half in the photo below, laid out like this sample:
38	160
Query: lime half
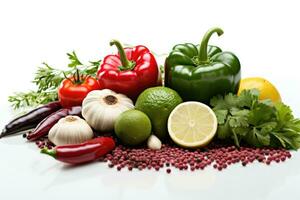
192	124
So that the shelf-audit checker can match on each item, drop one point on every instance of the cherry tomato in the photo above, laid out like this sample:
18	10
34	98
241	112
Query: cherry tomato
72	91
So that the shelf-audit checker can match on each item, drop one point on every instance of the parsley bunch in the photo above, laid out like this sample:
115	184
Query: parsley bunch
246	119
47	79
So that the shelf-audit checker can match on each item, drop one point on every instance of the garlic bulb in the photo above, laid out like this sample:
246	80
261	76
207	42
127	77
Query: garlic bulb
153	142
100	108
70	130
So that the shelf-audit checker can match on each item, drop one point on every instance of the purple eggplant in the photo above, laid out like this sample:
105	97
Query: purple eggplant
44	126
30	119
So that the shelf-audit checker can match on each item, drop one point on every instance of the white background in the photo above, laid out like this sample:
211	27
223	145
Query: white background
263	34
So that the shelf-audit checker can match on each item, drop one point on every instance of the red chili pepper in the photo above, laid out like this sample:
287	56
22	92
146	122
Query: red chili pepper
44	126
81	153
130	72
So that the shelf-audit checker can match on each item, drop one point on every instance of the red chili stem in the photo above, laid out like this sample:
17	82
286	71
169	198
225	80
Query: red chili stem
50	152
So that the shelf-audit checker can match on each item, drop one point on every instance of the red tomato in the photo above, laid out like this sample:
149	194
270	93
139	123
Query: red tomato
72	93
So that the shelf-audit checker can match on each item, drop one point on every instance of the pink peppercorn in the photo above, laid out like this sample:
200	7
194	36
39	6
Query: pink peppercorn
217	155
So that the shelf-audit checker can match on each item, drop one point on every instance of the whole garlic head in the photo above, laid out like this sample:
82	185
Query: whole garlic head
100	108
70	130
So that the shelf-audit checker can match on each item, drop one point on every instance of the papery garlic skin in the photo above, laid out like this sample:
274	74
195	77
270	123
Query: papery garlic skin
153	142
70	130
101	108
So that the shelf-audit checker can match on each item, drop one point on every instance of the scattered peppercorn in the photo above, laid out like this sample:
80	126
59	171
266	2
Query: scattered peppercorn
44	142
219	156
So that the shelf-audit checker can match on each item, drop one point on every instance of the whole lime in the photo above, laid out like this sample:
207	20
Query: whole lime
133	127
158	103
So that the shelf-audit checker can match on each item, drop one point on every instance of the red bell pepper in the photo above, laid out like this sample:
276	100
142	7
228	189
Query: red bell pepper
129	72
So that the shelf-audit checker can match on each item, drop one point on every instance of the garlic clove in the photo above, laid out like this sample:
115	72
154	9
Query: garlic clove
153	142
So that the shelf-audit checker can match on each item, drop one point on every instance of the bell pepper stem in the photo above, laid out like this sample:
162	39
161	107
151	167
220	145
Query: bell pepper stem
202	56
50	152
126	64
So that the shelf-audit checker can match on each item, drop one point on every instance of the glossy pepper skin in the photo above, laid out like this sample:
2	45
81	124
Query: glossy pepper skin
130	72
46	124
73	90
30	119
199	72
81	153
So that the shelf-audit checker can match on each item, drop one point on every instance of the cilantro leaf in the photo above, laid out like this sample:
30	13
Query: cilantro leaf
218	102
248	97
288	139
267	127
74	61
257	138
221	116
261	113
227	102
95	63
224	131
235	138
239	118
284	113
246	119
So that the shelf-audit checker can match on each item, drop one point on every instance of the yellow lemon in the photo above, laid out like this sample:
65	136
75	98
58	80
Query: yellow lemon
267	89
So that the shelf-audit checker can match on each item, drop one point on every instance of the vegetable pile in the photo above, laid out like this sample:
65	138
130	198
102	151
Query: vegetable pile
118	111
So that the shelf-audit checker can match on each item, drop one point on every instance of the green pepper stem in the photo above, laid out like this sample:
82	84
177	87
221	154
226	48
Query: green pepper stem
126	64
203	57
50	152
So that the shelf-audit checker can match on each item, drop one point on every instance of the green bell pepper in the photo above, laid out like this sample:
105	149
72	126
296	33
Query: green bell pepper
199	72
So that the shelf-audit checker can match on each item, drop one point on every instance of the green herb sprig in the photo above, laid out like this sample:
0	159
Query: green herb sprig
246	119
47	79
